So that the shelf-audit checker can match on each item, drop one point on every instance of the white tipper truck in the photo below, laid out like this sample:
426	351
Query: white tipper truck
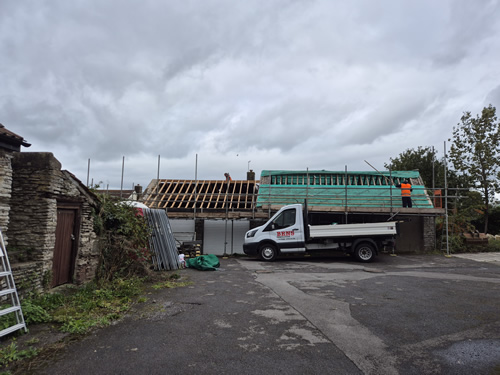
288	231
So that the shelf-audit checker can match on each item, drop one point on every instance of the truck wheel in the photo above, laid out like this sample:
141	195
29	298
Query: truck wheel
364	252
268	252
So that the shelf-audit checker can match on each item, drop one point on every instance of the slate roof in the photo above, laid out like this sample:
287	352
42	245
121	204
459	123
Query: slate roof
10	140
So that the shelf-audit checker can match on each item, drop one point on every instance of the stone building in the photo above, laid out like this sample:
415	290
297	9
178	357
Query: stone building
10	143
46	215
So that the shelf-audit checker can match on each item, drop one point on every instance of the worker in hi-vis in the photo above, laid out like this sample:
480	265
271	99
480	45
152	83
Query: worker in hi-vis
406	190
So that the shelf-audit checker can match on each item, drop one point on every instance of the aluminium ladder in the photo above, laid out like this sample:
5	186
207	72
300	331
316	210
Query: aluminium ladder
8	293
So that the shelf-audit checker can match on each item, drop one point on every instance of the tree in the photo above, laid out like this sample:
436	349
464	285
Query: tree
421	159
475	154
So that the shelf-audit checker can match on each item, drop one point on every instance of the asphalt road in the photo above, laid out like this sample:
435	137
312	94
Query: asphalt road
398	315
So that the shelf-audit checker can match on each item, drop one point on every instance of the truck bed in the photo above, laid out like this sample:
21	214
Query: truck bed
348	230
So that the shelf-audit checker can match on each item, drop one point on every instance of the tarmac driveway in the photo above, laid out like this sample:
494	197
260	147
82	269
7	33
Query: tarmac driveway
398	315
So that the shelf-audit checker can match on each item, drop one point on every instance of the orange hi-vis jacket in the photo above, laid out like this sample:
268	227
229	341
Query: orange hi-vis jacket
406	190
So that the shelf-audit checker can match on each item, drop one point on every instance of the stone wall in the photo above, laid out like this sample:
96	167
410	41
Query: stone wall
39	187
5	190
429	234
28	278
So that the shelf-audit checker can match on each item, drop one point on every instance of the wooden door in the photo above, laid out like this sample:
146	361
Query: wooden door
62	265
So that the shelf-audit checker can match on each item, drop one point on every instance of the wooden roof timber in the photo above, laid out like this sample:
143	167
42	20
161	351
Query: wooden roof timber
211	195
179	193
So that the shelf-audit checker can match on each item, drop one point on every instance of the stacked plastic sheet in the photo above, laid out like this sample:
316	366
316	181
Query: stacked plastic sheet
162	242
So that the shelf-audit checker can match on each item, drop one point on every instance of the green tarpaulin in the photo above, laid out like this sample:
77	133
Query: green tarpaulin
207	262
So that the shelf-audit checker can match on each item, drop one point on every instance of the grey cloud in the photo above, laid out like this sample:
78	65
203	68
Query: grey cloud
493	98
280	82
389	118
469	26
284	126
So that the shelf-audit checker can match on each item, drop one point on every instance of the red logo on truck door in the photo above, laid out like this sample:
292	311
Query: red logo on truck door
285	233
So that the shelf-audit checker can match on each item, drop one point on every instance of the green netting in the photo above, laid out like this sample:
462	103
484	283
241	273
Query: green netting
327	188
355	196
335	177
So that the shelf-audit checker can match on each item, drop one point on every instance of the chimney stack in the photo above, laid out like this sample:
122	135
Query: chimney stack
251	175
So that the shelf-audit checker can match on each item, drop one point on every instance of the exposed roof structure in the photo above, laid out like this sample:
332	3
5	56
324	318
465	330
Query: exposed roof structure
362	192
11	141
214	196
339	190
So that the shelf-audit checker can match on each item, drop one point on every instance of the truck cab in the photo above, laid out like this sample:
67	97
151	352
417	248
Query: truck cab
284	232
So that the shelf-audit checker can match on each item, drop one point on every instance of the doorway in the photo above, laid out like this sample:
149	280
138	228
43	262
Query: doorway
65	249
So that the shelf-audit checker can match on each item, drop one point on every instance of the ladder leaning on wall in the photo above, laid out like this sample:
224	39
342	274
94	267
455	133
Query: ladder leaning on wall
9	299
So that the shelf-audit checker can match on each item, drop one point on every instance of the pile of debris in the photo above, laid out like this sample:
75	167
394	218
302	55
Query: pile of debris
474	238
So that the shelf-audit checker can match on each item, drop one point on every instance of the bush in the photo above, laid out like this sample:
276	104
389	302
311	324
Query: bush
457	244
123	240
493	245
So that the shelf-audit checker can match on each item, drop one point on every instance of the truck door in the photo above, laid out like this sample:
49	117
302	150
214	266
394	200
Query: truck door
287	231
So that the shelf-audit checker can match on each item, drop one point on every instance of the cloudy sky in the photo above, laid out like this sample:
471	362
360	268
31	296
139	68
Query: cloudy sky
259	84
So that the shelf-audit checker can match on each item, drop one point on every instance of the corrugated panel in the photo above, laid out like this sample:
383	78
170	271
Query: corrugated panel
161	242
215	234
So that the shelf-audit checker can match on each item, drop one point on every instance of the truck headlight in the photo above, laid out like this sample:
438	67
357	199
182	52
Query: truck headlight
251	233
